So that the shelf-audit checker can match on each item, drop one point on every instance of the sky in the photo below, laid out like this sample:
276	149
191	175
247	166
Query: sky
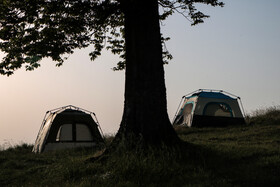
237	50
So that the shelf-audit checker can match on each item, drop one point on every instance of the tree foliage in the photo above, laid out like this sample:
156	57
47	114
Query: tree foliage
31	30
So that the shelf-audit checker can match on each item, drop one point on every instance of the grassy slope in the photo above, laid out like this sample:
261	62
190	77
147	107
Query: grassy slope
231	156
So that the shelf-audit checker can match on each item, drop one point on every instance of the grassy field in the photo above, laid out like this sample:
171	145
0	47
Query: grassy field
231	156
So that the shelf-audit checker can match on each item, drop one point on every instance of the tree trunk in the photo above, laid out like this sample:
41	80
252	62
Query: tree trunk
145	117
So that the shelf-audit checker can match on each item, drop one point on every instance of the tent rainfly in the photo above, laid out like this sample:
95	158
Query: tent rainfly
205	107
68	127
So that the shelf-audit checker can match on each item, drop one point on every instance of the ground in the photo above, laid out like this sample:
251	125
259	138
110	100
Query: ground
232	156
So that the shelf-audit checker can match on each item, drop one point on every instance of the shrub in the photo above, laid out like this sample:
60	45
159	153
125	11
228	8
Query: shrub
270	115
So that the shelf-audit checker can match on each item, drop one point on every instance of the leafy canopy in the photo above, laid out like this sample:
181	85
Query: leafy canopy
34	29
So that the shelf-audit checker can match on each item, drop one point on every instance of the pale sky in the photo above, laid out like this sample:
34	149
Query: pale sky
237	50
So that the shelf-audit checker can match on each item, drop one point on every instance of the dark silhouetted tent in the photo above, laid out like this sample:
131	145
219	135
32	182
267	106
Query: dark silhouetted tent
68	127
209	108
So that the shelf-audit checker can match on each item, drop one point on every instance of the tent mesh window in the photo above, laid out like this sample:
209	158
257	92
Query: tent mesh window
74	132
186	111
65	133
218	109
83	133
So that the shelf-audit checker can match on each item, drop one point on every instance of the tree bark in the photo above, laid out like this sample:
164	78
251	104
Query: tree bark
145	117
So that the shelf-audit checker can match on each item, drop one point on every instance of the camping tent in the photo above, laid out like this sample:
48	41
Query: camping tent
209	108
68	127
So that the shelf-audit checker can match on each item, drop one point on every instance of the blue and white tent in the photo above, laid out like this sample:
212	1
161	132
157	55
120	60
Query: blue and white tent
209	108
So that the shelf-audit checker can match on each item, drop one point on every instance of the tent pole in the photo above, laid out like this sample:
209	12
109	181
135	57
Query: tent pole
98	125
42	125
176	113
192	92
232	94
242	107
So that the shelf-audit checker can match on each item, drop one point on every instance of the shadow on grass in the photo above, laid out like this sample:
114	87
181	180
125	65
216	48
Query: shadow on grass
190	164
186	165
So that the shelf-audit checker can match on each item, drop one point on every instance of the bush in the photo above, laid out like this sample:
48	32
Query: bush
266	116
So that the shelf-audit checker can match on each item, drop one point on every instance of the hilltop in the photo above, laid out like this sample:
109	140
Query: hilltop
232	156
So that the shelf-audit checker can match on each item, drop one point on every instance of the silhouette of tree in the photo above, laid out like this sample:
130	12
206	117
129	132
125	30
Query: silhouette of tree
31	30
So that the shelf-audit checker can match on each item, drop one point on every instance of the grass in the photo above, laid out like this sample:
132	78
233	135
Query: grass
247	156
232	156
266	116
